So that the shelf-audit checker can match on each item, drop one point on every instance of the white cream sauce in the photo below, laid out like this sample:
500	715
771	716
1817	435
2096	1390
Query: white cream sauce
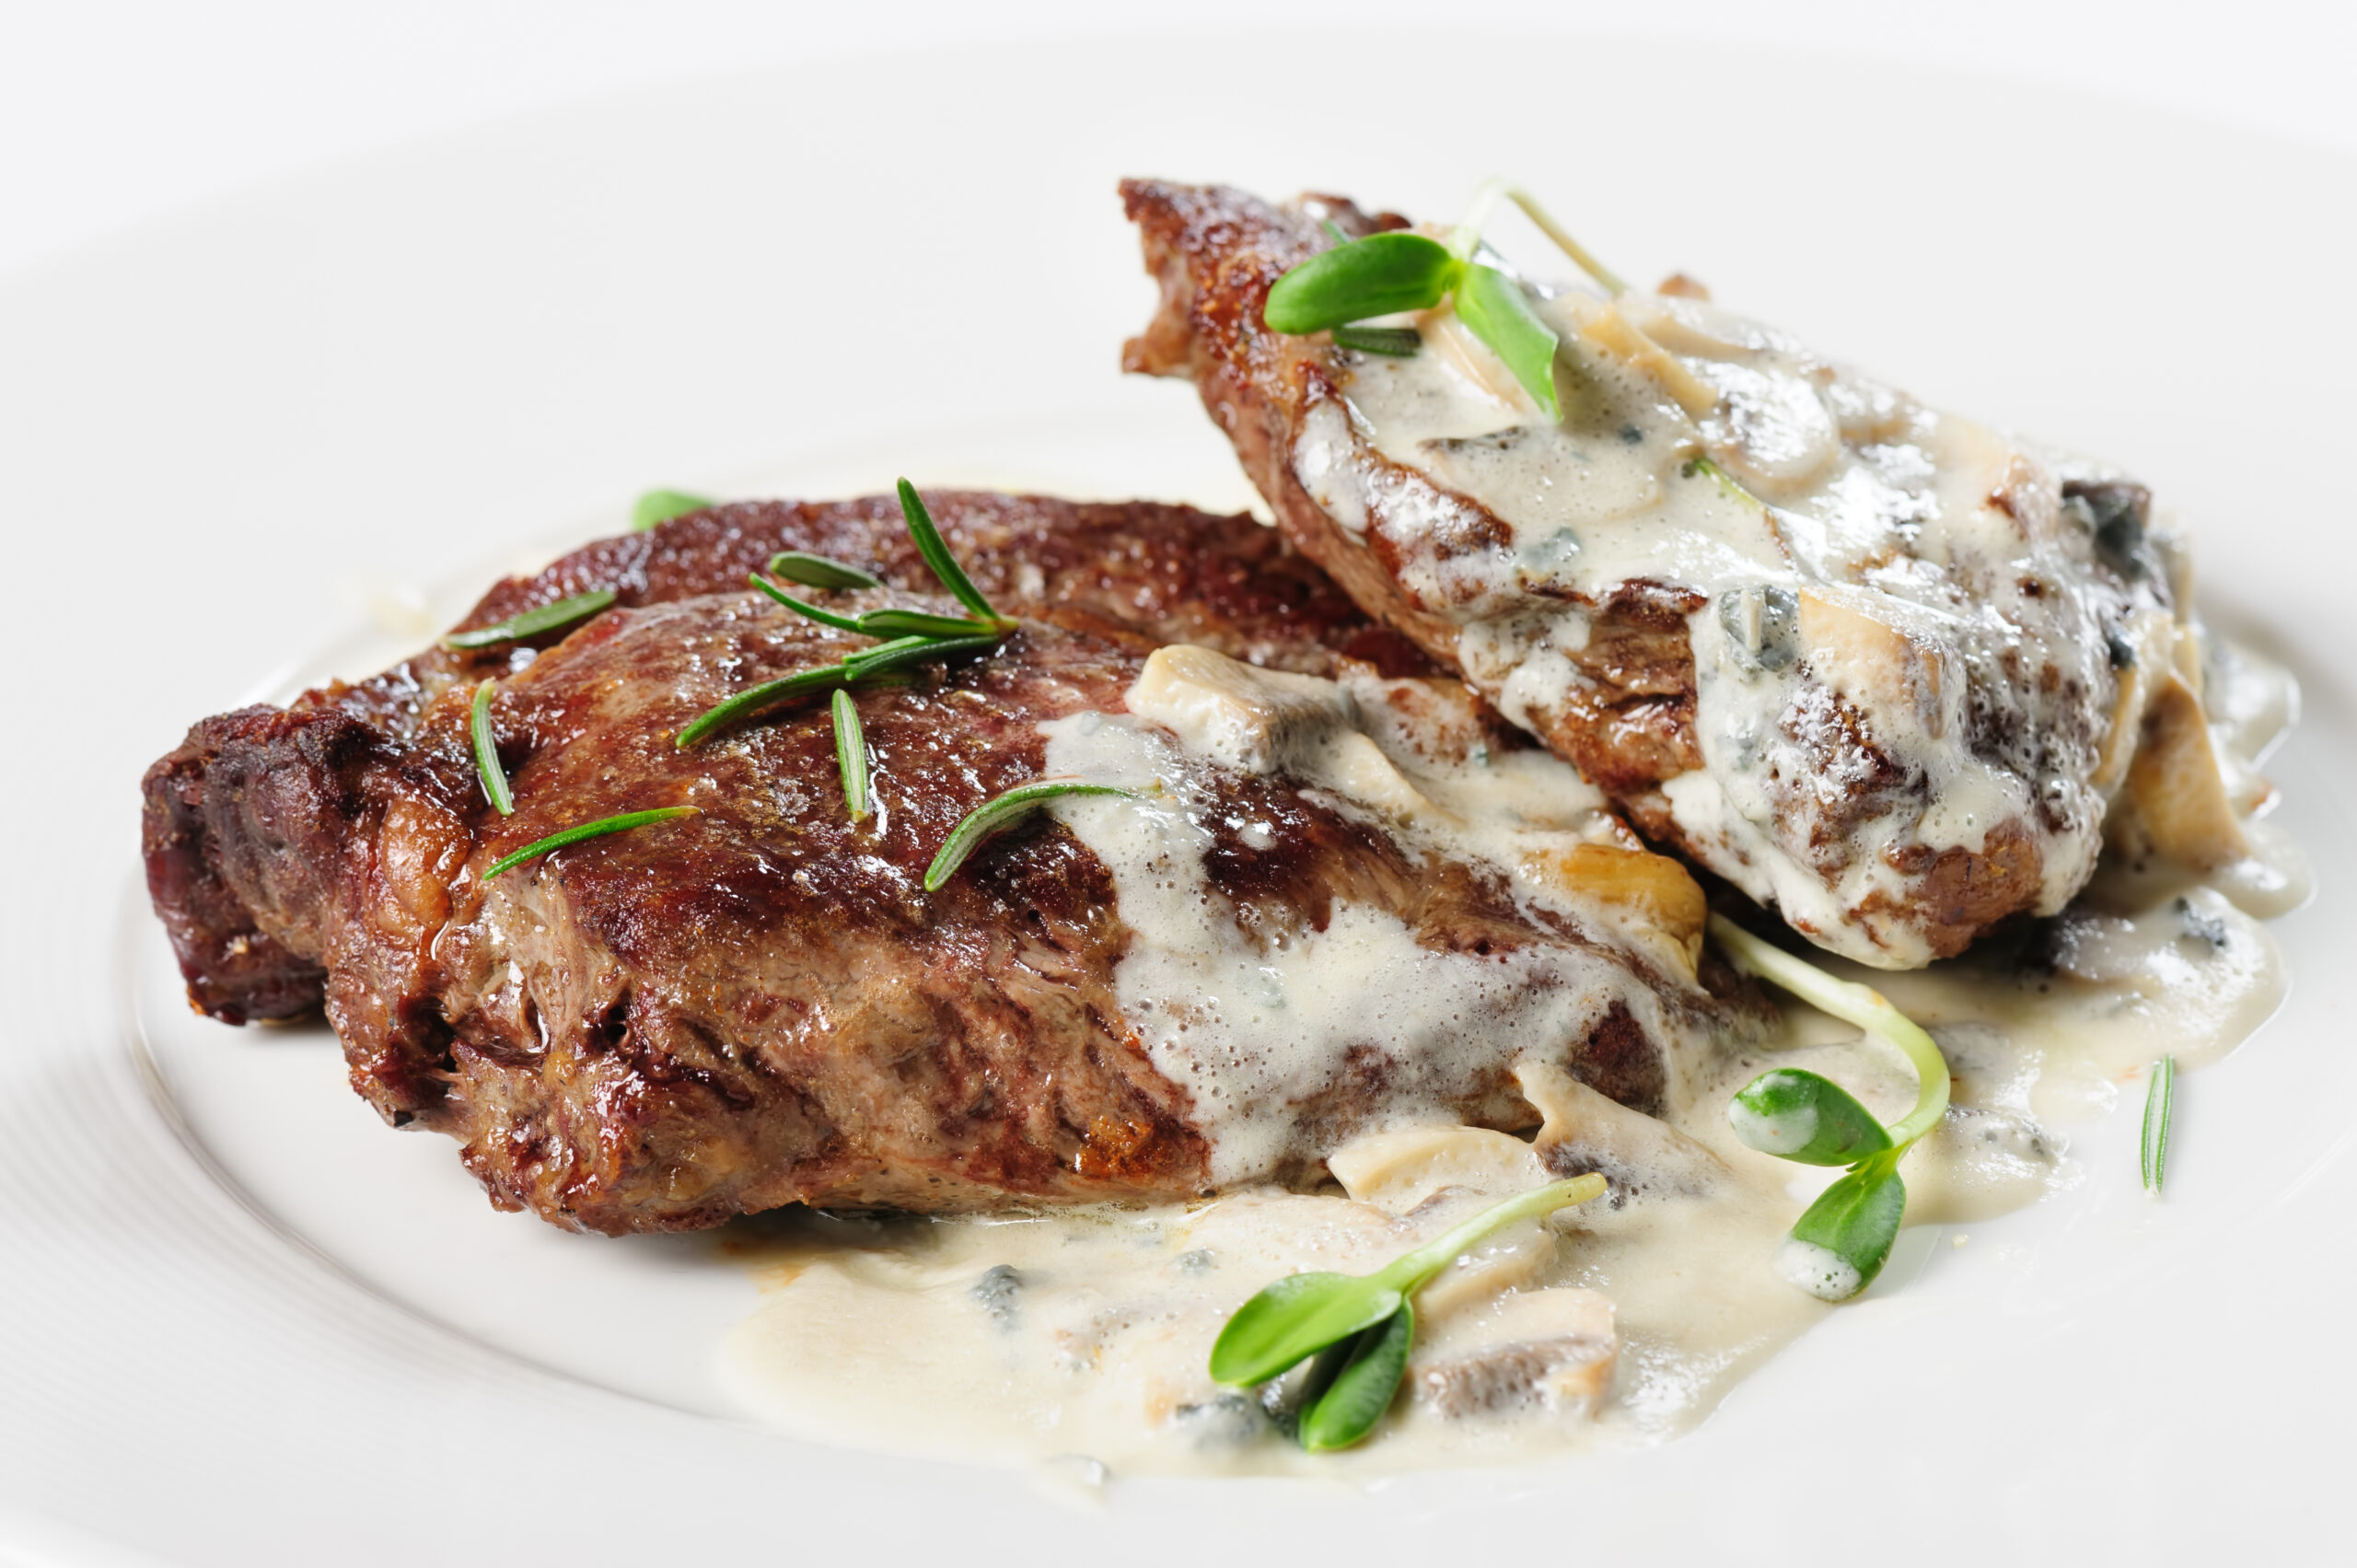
1908	559
1074	1341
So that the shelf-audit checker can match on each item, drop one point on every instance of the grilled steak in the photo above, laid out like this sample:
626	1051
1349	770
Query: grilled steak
1870	662
760	1004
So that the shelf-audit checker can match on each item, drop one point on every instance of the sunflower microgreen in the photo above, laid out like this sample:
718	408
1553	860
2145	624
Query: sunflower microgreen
1378	274
1841	1243
1360	1325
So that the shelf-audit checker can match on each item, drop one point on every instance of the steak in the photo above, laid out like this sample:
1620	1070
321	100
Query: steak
1863	659
763	1003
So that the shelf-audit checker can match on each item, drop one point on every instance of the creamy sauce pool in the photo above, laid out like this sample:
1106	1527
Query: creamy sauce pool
1078	1339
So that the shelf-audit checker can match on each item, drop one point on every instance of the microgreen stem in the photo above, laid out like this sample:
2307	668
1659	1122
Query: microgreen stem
597	830
1405	1274
494	777
1468	234
1859	1005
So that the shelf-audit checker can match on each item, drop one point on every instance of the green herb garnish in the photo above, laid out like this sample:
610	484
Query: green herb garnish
1728	484
661	506
2160	1092
1367	1316
819	571
1400	342
494	777
943	564
1841	1243
850	755
532	622
597	830
911	636
994	815
1399	270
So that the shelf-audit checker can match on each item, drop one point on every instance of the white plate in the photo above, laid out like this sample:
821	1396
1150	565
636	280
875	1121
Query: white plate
244	1324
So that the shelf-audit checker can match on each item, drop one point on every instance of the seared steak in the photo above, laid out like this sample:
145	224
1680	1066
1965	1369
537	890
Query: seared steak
760	1004
1873	662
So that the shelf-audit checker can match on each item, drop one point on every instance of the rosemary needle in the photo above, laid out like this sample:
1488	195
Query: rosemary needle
598	829
2160	1092
1001	812
819	571
850	755
945	566
494	777
532	622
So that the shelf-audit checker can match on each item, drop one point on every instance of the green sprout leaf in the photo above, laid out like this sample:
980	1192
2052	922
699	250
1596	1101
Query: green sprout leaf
1363	1387
1372	276
819	571
1302	1313
658	507
2160	1093
850	755
1398	342
1293	1320
1495	311
999	814
1797	1115
1838	1246
532	622
597	830
936	556
494	777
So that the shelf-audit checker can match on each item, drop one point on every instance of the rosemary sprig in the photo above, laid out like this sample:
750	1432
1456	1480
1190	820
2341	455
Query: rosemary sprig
819	571
944	566
598	829
658	506
1368	1316
2160	1094
850	755
494	777
760	699
998	814
811	611
1841	1243
532	622
868	665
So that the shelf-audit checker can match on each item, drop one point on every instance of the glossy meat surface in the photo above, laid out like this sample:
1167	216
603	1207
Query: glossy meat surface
759	1003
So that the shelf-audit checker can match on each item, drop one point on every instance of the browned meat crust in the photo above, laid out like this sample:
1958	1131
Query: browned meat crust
759	1004
1628	724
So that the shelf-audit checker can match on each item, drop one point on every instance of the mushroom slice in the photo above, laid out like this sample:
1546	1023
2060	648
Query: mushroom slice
1396	1171
1546	1350
2176	802
1638	1155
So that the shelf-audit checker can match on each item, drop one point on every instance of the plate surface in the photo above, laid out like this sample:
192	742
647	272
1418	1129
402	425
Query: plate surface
245	1325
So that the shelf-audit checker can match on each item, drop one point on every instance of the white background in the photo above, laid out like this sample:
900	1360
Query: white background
112	110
